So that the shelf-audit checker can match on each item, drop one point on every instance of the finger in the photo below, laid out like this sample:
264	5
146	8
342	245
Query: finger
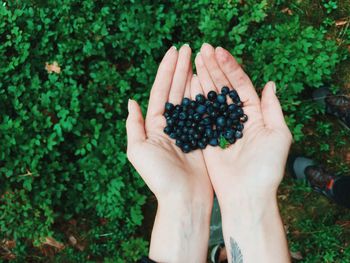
162	83
188	83
195	87
135	126
180	76
237	77
215	72
271	108
203	75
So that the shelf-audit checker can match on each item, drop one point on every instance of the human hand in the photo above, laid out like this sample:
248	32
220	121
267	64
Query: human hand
246	175
254	165
179	181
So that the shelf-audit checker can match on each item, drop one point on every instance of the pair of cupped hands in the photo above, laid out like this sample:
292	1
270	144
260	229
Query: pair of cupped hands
251	168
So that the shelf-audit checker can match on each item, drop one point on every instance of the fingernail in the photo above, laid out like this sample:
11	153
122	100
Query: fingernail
194	75
198	53
173	47
129	105
273	86
186	44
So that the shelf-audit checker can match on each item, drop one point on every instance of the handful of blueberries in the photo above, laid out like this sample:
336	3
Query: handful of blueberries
196	123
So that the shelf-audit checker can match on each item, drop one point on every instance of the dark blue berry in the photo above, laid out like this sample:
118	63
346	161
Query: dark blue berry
206	121
200	99
220	121
223	108
168	130
239	127
201	145
170	122
188	123
221	99
244	118
214	142
173	135
181	123
216	105
179	143
229	122
213	114
201	109
183	116
186	102
212	95
225	90
240	112
233	94
186	148
209	132
238	134
232	140
232	107
239	103
234	116
229	134
169	106
201	128
193	104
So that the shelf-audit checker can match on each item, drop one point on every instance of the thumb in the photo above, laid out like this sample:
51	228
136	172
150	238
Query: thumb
135	125
271	108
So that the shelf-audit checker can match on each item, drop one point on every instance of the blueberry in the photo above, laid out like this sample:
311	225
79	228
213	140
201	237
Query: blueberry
221	121
216	105
232	107
244	118
188	123
238	134
184	130
234	116
213	142
193	104
169	106
197	136
240	112
178	107
212	95
202	145
191	131
223	108
229	122
239	127
186	102
233	94
207	103
239	103
232	140
181	123
209	132
178	143
184	138
183	116
229	134
221	99
186	148
201	109
200	128
170	122
225	90
193	143
204	140
219	128
213	114
206	121
210	109
168	130
196	117
200	99
175	115
166	114
173	135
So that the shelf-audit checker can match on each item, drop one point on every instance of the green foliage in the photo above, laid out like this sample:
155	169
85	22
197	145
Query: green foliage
62	135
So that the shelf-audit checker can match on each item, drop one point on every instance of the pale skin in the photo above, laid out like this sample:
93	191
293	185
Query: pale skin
245	176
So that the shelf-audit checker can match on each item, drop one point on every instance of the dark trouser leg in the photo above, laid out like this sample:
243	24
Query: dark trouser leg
341	191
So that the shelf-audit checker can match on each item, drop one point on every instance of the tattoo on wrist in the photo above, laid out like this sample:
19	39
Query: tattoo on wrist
236	254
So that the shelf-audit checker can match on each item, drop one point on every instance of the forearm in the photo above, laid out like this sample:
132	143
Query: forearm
253	229
180	232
